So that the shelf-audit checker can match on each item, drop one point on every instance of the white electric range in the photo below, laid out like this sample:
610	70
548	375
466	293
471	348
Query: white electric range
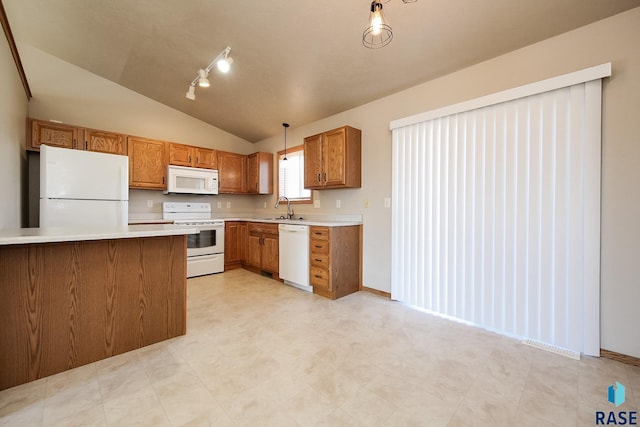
205	250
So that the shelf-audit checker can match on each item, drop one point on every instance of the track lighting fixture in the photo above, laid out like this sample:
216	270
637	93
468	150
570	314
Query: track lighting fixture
378	33
223	62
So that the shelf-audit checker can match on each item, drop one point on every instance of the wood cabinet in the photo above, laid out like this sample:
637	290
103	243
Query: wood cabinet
335	260
232	172
54	134
188	155
67	304
148	160
333	159
262	247
74	137
260	173
232	245
105	142
243	241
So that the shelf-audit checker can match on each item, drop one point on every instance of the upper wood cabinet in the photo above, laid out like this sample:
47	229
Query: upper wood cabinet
206	158
148	160
333	159
260	173
105	142
54	134
232	172
68	136
188	155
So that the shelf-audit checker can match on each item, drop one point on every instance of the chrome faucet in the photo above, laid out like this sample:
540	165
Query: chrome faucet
289	210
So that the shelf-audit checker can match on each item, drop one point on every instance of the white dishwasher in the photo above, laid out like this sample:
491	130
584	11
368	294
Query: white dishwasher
294	255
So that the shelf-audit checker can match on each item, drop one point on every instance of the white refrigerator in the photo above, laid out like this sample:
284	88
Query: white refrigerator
83	188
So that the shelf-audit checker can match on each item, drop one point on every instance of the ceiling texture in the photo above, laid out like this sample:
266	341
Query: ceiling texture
294	61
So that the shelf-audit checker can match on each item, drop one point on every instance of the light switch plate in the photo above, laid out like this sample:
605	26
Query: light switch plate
228	205
338	203
219	205
387	202
316	203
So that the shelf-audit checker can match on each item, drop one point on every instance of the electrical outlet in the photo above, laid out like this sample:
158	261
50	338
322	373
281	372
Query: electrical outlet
228	205
387	202
149	203
338	203
366	203
316	203
219	205
264	205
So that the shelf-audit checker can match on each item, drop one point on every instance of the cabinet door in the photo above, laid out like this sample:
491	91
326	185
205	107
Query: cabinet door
334	157
313	177
105	142
180	155
243	242
260	173
231	242
232	172
270	252
205	158
148	161
254	250
54	134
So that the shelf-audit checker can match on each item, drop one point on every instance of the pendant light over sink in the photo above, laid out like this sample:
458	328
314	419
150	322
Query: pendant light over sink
284	159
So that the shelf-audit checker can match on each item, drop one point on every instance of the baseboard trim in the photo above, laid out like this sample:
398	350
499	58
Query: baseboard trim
377	292
618	357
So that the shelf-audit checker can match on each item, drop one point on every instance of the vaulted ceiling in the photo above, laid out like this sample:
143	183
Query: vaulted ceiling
294	61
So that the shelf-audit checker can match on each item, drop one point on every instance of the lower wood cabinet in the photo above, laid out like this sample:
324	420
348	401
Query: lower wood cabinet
262	247
231	245
335	258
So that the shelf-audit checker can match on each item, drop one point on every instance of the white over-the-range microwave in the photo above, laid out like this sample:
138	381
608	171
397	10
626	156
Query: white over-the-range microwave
186	180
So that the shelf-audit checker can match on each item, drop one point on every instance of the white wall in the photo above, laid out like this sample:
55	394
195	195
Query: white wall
13	113
611	40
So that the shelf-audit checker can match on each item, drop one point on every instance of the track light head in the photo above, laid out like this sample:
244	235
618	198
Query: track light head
203	81
224	65
191	94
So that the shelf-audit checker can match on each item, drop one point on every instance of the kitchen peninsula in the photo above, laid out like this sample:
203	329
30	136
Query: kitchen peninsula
72	296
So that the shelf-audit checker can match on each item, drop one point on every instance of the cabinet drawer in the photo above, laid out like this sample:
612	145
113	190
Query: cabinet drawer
261	227
320	233
319	277
321	261
318	246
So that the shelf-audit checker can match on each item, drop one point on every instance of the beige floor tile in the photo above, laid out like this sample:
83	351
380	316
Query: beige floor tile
258	353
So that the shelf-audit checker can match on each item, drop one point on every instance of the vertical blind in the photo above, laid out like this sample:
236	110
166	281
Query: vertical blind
493	216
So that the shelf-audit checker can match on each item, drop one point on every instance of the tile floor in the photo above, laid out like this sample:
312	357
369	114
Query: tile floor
258	353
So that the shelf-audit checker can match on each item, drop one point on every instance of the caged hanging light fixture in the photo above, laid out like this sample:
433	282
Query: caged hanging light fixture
223	61
378	33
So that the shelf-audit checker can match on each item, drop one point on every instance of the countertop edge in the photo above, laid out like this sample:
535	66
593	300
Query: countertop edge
22	236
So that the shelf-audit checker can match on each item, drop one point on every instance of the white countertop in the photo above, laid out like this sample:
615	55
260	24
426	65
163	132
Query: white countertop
22	236
303	221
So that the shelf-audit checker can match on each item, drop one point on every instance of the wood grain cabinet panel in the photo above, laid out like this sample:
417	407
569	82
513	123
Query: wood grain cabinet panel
148	160
263	246
232	174
49	133
333	159
335	258
74	137
105	142
260	173
231	245
64	305
192	156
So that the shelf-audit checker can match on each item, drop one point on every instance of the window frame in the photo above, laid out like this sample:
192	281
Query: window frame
280	153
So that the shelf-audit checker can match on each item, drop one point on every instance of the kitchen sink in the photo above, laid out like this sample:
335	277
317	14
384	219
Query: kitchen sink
282	218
